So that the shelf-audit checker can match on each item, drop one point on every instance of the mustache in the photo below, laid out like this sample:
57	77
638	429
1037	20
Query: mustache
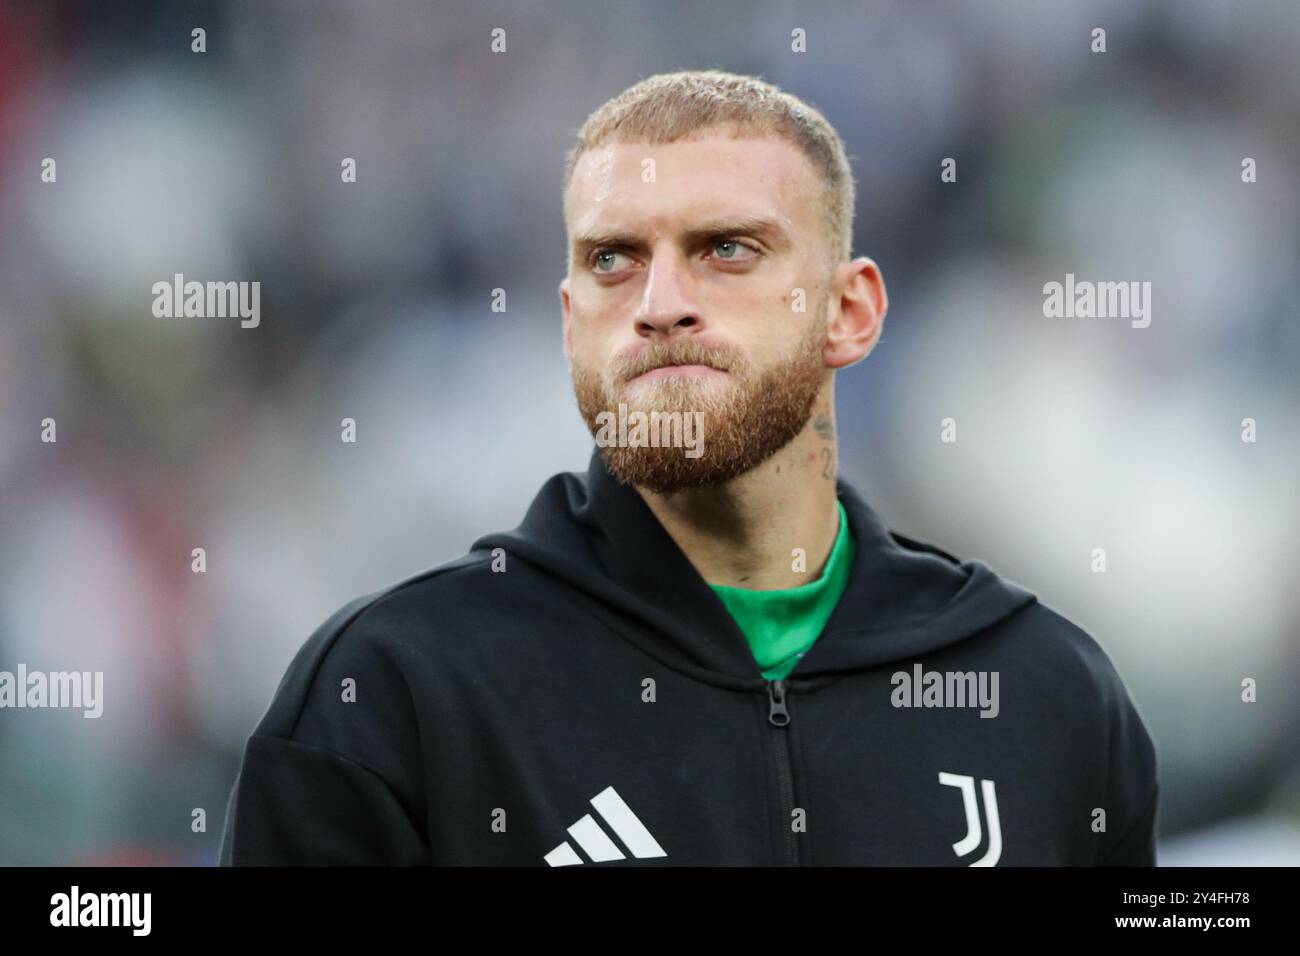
628	365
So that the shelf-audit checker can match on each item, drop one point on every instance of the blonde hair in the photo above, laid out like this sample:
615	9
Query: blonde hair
673	106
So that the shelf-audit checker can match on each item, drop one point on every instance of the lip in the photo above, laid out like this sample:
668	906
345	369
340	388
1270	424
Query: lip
683	371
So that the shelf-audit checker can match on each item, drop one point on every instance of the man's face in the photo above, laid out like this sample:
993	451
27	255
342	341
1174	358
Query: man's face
682	294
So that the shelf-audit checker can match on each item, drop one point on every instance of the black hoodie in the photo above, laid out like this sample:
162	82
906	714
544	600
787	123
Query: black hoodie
573	692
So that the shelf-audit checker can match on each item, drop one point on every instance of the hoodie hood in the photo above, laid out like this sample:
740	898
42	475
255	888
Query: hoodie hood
903	599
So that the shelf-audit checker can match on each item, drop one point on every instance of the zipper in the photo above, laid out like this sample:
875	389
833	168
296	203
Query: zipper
778	715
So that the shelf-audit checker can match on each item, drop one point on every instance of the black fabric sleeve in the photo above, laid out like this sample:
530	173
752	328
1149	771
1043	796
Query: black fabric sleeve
1133	791
326	780
1137	847
298	805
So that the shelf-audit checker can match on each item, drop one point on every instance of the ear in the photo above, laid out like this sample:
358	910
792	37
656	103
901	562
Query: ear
856	315
568	318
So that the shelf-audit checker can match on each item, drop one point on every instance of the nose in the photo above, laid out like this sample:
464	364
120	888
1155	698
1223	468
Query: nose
667	307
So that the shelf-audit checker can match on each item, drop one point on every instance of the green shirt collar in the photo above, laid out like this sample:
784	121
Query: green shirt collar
781	625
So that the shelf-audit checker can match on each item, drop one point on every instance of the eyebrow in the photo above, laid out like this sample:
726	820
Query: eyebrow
760	227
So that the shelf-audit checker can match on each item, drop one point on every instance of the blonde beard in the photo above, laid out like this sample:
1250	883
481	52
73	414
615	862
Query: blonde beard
752	418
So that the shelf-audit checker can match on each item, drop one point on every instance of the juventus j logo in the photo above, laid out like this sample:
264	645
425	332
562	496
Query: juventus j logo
974	832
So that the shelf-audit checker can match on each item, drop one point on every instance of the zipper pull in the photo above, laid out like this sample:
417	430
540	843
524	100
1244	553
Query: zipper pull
776	712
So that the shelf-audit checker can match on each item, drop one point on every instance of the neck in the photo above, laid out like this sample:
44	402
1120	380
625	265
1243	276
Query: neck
744	533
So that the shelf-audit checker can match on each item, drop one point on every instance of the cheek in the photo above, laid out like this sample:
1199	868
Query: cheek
791	337
590	349
580	331
597	333
591	320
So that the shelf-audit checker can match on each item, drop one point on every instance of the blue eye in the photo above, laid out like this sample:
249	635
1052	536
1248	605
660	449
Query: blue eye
603	256
736	247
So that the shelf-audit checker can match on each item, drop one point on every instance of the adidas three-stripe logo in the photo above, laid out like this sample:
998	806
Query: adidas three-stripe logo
595	842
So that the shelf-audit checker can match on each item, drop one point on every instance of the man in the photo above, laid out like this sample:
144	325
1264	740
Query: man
706	650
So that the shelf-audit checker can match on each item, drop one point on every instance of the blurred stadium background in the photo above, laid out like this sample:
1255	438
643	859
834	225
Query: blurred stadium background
176	434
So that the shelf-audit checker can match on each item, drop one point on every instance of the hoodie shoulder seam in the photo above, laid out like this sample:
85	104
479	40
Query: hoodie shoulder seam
326	750
341	621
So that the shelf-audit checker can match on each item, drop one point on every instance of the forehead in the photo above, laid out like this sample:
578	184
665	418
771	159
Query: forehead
699	178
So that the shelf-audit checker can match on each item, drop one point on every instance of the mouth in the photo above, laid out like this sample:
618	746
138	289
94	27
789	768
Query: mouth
677	371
